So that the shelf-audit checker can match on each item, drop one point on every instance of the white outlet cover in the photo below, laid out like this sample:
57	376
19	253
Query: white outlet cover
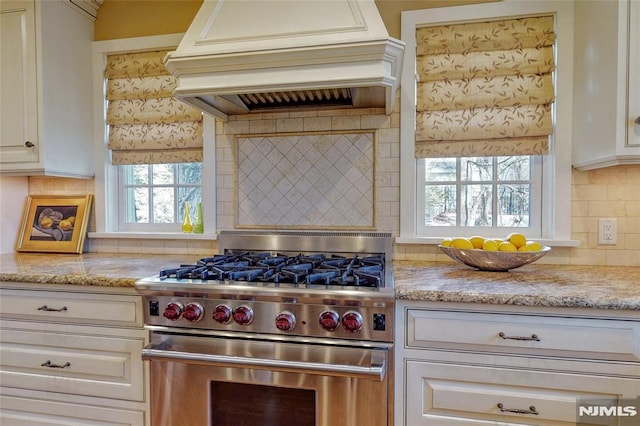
607	231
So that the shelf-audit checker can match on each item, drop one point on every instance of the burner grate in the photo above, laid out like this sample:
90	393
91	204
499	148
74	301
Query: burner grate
301	268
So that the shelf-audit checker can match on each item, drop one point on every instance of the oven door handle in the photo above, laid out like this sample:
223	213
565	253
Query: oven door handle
376	370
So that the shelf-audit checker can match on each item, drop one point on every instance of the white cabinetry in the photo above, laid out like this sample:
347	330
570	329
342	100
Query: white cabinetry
462	364
606	100
46	123
71	355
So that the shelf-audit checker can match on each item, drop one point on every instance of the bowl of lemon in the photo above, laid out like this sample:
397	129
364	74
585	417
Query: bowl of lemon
491	254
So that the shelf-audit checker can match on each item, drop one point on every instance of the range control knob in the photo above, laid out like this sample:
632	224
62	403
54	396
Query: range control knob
193	312
173	311
352	321
243	315
222	314
285	321
329	320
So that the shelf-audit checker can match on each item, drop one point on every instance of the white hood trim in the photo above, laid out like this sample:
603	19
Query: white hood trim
310	50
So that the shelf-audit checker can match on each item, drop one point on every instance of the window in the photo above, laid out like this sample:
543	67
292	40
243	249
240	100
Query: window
145	189
492	193
153	196
462	188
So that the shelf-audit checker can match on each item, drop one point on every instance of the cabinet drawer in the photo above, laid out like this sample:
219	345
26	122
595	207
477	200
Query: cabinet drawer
51	306
19	411
524	334
449	394
83	364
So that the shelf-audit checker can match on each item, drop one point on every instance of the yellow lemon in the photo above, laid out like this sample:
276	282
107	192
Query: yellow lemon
446	242
490	245
517	239
533	246
46	222
461	243
477	241
507	246
65	225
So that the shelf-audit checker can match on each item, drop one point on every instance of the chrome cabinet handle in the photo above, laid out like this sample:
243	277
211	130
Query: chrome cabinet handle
48	363
48	309
29	144
531	410
532	337
637	121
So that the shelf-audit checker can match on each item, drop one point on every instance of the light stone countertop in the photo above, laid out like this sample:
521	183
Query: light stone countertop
599	287
95	269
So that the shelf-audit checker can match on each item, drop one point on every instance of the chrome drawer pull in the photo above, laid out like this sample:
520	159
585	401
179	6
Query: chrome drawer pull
531	410
532	337
50	365
48	309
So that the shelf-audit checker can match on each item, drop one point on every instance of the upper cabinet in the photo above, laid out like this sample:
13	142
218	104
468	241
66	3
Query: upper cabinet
606	104
46	125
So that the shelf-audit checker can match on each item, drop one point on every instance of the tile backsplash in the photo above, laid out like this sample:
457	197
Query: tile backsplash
608	192
307	181
39	185
380	151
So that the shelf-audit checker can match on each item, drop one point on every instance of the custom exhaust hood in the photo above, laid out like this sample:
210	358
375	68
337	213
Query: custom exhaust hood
242	56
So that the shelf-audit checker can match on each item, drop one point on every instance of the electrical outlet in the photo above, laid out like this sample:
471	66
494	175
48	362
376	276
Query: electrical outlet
607	231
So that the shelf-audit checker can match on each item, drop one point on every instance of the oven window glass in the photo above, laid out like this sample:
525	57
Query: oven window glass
239	404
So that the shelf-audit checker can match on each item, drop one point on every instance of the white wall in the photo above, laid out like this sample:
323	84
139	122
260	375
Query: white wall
13	191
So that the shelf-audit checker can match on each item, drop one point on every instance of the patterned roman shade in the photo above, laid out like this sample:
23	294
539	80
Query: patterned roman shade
485	88
147	125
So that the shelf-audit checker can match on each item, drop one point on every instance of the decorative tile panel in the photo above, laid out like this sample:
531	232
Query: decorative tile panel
306	181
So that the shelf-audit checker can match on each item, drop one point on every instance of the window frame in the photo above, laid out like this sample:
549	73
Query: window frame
108	192
123	200
555	213
440	231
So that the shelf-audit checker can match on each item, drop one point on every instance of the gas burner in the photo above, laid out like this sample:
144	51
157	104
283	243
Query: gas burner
300	268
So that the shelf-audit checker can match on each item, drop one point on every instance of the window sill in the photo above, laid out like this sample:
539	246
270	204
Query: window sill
152	236
433	240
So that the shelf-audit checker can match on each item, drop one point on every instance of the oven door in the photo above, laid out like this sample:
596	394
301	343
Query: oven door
206	380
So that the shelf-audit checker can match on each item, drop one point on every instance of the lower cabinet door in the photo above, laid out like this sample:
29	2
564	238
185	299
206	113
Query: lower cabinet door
18	411
451	394
72	363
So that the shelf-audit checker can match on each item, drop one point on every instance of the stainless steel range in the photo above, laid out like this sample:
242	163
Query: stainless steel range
280	327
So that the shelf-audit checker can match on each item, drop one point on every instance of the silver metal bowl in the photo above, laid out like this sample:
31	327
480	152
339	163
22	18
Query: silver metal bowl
494	260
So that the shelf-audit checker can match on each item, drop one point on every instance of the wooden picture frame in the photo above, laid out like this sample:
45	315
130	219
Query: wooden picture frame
55	224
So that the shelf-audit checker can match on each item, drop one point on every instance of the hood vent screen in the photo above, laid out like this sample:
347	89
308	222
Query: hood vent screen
297	98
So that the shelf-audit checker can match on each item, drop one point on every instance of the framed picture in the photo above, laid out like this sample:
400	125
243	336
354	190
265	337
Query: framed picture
56	224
